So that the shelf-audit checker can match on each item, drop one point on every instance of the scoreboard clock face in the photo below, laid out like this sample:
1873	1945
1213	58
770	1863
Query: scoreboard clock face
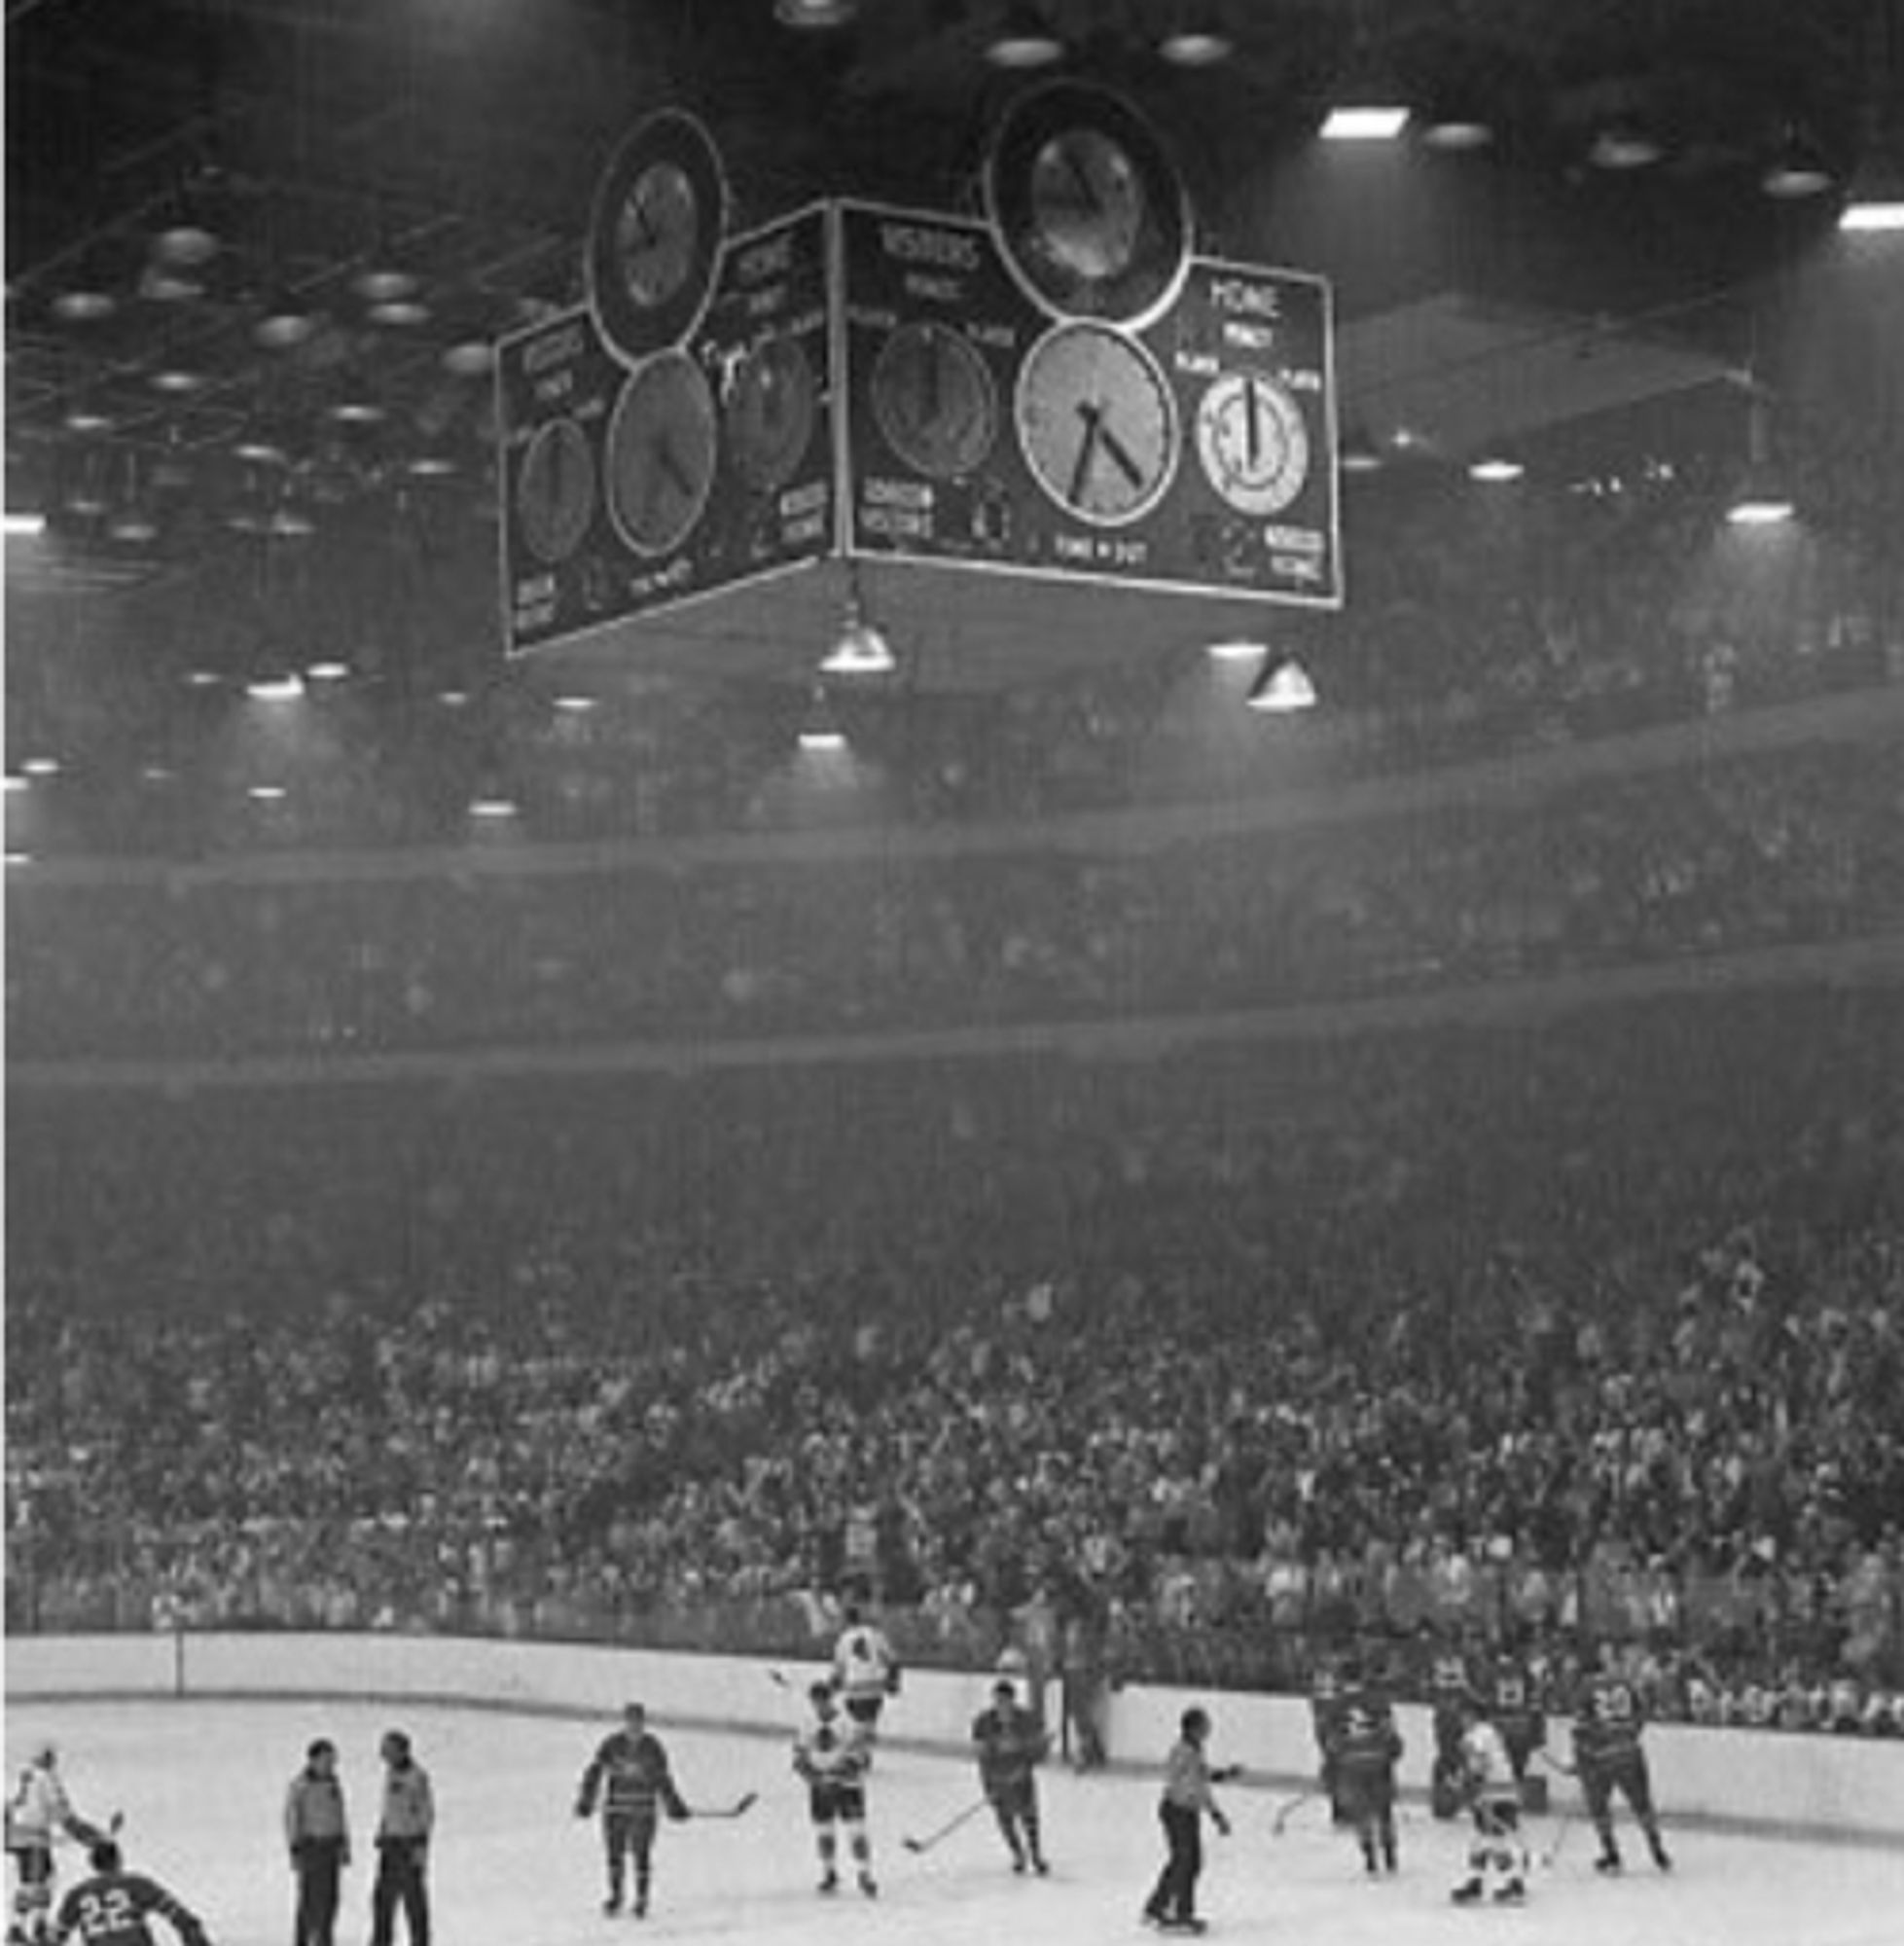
771	410
1253	442
555	491
934	399
1098	422
661	453
655	235
1089	213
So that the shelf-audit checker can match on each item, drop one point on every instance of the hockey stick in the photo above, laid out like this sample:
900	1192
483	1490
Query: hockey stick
779	1678
1562	1827
1289	1809
739	1808
945	1830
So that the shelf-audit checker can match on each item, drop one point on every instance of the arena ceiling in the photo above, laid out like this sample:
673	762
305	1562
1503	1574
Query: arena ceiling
181	170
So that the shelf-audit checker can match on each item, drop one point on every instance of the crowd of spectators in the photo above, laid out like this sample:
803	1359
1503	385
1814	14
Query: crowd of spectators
1479	623
1594	1327
1768	848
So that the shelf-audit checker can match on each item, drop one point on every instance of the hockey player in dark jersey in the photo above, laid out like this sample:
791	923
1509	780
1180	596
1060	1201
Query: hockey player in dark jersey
112	1907
629	1775
1451	1691
1514	1706
831	1755
1011	1743
1367	1748
1607	1726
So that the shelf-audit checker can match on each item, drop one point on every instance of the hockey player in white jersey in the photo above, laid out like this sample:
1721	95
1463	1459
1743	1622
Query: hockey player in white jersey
830	1755
39	1813
865	1671
1497	1861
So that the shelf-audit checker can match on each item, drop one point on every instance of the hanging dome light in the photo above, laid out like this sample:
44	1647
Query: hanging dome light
1282	686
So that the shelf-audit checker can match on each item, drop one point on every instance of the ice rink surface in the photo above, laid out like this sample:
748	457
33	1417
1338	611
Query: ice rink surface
202	1784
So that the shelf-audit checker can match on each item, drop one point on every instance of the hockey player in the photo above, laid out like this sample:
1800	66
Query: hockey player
628	1775
1494	1852
830	1755
1368	1746
1011	1744
1514	1705
318	1835
1449	1690
1187	1797
1607	1728
405	1825
37	1814
111	1906
865	1671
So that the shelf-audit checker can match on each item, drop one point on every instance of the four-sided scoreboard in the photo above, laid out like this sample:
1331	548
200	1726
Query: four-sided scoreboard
1063	390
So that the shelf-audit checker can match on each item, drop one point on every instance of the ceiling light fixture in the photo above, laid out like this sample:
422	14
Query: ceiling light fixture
1797	167
1023	39
1237	649
84	303
818	15
1762	499
861	648
1196	37
1496	470
286	688
820	734
284	322
1623	145
1874	203
22	526
469	358
1373	122
1282	686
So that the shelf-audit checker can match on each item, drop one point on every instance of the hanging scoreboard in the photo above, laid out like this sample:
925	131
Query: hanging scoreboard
639	471
1196	452
1063	389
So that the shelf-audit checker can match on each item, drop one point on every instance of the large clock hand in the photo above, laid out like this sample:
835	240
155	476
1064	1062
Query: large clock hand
1088	200
666	462
1254	423
1093	425
1121	456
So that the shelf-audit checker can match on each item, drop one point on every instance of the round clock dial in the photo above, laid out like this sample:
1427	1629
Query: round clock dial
661	453
934	399
654	235
1098	422
1091	215
1087	203
769	414
555	490
1253	442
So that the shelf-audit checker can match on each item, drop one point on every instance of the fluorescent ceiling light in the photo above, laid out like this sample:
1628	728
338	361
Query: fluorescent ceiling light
1872	217
1495	470
24	524
1364	124
276	688
1237	650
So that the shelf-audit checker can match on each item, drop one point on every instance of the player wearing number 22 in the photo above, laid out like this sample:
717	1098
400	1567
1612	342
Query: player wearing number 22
1606	1750
629	1775
831	1755
1011	1743
110	1907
